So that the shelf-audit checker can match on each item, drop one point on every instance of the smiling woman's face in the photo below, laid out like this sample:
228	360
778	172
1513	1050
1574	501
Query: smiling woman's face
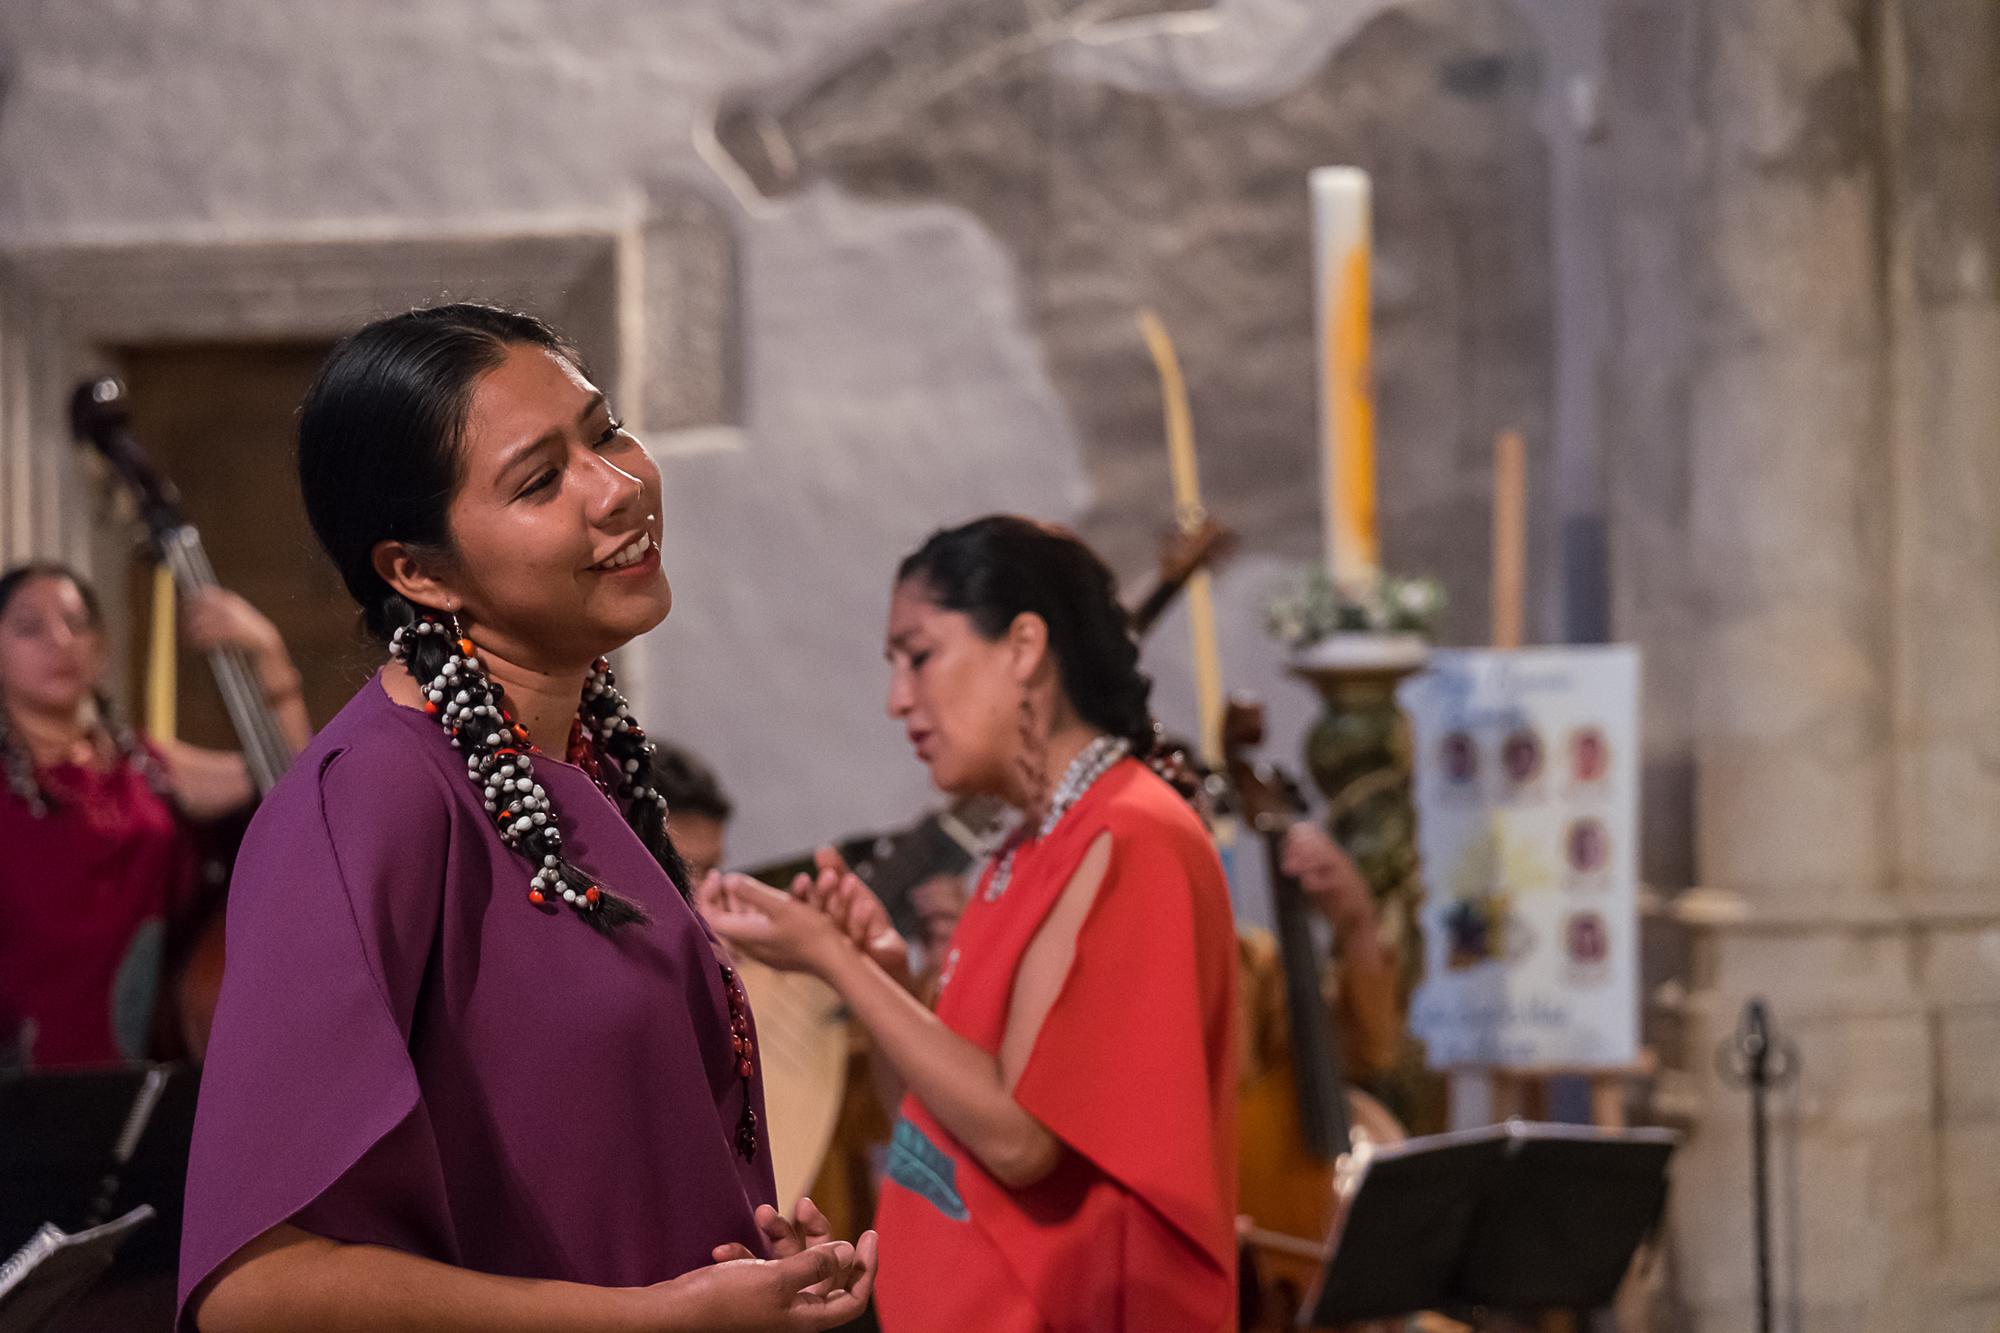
555	525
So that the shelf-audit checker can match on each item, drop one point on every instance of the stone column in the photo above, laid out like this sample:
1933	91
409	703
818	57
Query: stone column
1832	631
1942	134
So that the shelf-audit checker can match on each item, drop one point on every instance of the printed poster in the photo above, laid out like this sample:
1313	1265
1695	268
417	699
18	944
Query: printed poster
1527	792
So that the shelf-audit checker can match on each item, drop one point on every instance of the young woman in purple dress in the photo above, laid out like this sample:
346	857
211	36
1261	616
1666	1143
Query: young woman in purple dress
477	1063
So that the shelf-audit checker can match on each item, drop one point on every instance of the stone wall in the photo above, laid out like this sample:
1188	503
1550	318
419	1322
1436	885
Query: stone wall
932	321
1802	496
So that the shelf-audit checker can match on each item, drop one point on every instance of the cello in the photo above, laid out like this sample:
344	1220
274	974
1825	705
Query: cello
100	417
1298	1125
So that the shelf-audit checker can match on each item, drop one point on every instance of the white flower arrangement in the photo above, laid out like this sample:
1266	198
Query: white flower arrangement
1311	607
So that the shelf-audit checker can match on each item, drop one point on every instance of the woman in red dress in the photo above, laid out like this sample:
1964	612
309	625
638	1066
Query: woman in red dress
1065	1154
95	818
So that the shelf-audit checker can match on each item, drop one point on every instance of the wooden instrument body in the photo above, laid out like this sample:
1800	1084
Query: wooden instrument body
1292	1199
100	417
1297	1120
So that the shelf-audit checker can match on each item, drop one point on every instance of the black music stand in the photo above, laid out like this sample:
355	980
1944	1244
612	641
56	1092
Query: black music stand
54	1269
1518	1217
80	1147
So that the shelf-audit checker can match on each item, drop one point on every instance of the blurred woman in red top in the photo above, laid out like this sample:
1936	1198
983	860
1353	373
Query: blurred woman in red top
95	819
1065	1154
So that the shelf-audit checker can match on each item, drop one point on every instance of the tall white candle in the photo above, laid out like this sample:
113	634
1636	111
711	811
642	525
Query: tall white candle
1341	259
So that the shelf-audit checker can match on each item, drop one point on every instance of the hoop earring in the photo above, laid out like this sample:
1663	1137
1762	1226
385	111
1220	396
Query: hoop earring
1032	762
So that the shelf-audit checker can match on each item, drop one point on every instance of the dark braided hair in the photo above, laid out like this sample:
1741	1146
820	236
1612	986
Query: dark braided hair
995	568
17	766
381	436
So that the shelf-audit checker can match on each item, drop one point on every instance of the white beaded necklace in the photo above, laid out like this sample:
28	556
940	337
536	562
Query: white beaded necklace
1090	764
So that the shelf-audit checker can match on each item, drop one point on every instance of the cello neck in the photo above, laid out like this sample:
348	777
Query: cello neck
265	750
1316	1056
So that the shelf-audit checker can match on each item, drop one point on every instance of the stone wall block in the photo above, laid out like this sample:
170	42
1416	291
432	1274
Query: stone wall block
691	368
1775	823
1961	964
1786	492
1792	249
1948	631
1969	1075
1806	974
1971	1223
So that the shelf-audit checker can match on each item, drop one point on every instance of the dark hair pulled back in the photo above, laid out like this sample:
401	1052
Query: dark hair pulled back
381	437
996	568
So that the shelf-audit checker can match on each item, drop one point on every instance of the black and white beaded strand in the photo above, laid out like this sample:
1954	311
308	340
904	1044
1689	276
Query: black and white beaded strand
498	757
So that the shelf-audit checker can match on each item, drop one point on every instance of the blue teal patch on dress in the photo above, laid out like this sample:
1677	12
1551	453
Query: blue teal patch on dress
136	988
925	1169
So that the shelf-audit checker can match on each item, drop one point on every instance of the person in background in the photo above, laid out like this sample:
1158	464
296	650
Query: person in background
99	819
698	809
477	1063
1065	1157
1360	980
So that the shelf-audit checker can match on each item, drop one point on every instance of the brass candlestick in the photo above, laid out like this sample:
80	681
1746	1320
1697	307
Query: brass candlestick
1359	754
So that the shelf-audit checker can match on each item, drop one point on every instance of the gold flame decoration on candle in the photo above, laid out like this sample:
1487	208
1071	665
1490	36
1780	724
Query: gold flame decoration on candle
1357	549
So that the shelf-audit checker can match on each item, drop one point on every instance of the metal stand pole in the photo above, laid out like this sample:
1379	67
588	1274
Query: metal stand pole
1752	1058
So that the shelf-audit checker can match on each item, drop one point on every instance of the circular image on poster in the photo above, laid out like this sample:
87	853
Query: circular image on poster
1521	756
1588	846
1460	759
1589	755
1586	939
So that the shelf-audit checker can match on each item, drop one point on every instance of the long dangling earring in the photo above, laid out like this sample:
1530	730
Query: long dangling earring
1033	759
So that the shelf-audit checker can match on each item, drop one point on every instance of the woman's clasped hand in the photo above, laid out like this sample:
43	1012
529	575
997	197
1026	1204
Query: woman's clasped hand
811	1280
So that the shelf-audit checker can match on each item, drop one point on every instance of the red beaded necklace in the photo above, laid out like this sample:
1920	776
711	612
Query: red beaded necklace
742	1041
522	809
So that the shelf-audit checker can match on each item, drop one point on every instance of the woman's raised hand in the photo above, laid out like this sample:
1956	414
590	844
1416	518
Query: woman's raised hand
853	906
769	925
817	1285
218	618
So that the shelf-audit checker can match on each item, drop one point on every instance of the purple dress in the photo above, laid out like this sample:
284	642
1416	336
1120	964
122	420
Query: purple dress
409	1053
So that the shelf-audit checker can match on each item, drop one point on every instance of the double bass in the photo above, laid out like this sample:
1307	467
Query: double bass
101	418
1299	1124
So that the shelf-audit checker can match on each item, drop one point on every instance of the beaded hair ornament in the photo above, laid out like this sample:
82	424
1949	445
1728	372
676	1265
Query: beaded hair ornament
499	757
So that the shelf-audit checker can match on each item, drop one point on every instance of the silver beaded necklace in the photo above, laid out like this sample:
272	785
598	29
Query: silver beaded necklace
1090	764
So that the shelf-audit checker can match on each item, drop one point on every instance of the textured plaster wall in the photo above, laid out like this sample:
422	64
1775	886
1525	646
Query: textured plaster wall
909	355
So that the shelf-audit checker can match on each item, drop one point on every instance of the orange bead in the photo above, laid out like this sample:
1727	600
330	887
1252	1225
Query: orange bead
591	895
535	897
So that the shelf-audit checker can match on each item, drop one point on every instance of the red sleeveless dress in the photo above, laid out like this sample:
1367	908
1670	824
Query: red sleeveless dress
87	892
1133	1070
